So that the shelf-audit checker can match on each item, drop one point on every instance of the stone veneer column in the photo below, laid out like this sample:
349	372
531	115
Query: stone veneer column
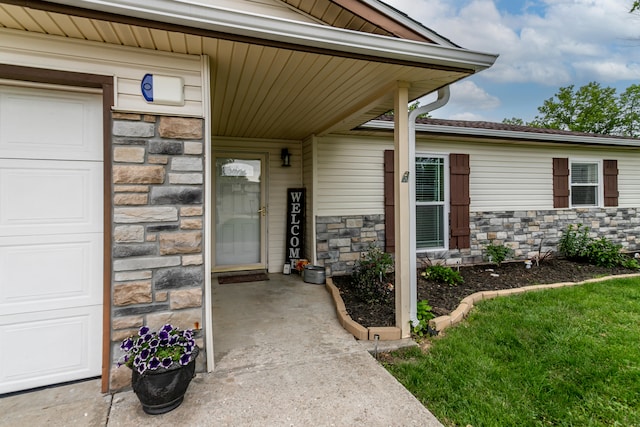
158	196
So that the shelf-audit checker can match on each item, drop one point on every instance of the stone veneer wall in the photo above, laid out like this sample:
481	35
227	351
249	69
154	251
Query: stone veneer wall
158	196
340	240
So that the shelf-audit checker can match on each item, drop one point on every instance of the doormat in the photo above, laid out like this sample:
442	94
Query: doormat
242	278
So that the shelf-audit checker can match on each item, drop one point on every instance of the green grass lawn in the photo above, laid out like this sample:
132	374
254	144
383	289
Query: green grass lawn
562	357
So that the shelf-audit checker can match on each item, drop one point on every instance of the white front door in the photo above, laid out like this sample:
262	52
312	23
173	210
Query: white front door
240	212
51	236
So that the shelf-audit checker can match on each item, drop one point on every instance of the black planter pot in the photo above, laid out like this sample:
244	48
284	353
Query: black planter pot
163	390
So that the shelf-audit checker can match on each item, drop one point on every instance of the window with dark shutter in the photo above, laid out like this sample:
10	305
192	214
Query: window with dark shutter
460	236
560	182
610	173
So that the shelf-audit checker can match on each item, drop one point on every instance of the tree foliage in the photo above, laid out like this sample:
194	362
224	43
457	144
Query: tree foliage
592	109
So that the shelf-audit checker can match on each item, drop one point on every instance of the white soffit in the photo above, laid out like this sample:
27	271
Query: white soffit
208	17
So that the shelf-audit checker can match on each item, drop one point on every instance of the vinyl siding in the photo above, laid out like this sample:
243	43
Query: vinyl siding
278	180
308	181
127	65
350	176
504	176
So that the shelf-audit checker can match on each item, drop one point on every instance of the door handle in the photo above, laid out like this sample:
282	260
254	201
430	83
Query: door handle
263	210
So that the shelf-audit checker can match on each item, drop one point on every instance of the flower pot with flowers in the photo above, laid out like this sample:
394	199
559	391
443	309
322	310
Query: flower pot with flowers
162	365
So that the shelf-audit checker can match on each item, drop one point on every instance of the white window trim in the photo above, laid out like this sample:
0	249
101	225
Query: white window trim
447	202
600	191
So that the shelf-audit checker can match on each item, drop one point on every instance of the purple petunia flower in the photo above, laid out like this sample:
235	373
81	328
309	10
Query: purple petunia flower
139	341
167	328
148	337
163	335
127	344
173	340
145	353
137	361
143	331
166	362
141	368
154	363
154	343
185	359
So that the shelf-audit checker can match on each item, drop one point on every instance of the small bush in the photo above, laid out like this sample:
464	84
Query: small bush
573	243
424	315
577	245
443	274
498	253
370	279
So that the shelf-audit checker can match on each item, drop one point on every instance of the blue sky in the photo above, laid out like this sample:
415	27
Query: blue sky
543	45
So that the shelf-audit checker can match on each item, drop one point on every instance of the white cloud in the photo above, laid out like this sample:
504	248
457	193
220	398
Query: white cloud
550	43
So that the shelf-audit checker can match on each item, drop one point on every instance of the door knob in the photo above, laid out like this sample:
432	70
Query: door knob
263	210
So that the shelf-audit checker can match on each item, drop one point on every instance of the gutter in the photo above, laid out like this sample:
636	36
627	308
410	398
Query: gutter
193	14
443	98
508	134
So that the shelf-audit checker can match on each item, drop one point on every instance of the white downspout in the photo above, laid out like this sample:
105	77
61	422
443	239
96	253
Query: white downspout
443	98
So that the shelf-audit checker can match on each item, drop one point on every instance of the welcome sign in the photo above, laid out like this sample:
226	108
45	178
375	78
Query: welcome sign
295	223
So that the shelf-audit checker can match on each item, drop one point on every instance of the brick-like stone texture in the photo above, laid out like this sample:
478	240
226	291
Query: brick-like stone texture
158	260
529	233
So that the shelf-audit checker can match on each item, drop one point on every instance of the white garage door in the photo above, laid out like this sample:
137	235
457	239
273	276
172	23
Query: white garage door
50	236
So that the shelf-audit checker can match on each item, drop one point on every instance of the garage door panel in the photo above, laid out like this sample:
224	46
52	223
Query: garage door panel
50	197
46	272
53	347
68	124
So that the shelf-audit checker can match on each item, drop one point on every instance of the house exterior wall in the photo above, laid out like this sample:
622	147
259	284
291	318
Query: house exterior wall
511	194
278	180
158	241
127	65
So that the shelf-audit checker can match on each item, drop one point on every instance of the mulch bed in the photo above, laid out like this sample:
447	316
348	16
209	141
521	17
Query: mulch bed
444	298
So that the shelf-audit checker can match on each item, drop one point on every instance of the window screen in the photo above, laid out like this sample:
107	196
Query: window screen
584	184
430	202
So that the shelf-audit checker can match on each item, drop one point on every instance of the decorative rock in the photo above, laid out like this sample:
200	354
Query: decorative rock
133	275
185	178
165	147
128	233
145	214
128	154
119	378
192	147
185	298
191	224
184	319
176	195
187	164
128	322
191	211
132	293
125	251
138	174
192	260
158	160
133	129
181	277
128	199
145	263
180	128
180	243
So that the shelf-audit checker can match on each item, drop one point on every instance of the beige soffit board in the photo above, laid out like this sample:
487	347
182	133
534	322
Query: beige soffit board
314	36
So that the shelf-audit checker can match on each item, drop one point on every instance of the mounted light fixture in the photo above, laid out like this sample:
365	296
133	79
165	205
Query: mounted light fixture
286	157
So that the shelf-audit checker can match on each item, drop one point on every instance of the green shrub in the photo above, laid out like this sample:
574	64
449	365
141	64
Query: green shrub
443	274
573	243
498	253
370	280
577	245
424	315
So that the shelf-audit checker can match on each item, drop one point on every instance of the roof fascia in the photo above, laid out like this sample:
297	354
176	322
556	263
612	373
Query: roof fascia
506	134
407	22
313	36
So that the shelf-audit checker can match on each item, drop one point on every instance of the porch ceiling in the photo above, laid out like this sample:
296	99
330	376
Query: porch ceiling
258	90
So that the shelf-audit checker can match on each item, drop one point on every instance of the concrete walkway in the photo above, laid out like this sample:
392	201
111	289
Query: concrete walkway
282	359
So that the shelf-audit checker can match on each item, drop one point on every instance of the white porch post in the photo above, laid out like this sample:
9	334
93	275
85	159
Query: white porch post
402	208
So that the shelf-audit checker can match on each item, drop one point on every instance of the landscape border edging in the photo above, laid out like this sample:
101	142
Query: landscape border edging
441	323
384	333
